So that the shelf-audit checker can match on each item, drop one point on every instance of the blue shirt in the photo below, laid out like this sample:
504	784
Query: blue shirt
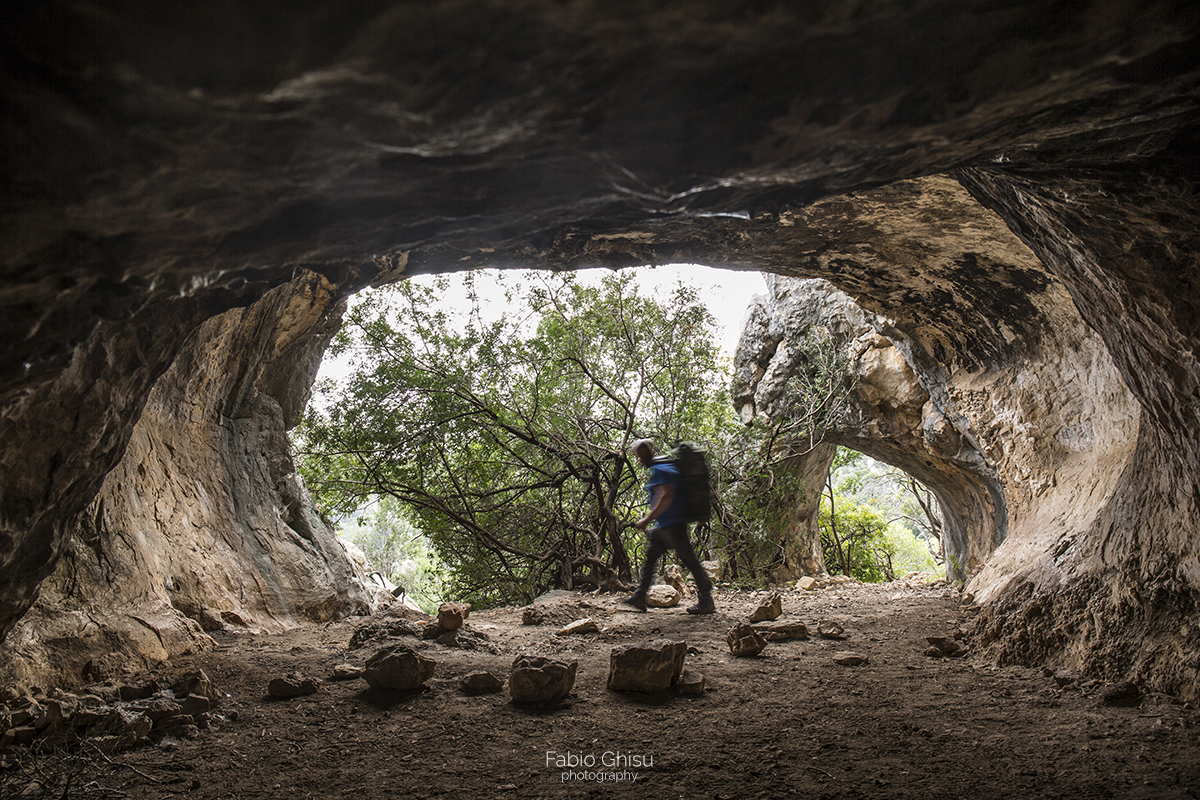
664	472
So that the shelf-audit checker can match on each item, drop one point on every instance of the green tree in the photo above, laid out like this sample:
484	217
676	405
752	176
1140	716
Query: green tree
507	439
395	548
854	535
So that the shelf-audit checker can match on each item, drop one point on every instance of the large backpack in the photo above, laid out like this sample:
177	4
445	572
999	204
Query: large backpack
692	462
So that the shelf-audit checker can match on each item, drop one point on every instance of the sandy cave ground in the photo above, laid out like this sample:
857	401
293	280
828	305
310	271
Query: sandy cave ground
788	723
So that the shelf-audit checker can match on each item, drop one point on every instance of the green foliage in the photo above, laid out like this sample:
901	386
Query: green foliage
507	439
398	551
911	552
898	497
856	542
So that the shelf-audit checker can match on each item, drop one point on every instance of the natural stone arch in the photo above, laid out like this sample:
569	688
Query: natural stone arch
164	171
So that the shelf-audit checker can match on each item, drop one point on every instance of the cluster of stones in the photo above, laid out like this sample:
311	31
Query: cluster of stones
110	717
945	647
748	639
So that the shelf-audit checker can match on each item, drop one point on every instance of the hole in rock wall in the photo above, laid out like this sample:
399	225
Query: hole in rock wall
489	416
878	523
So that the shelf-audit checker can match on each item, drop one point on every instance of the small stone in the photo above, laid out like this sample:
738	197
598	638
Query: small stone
293	685
933	651
477	683
196	683
345	672
783	631
744	641
713	568
807	583
585	625
849	659
646	668
662	595
87	717
398	667
831	630
451	616
691	683
768	609
536	679
1121	695
1064	677
673	575
532	616
194	705
177	721
948	646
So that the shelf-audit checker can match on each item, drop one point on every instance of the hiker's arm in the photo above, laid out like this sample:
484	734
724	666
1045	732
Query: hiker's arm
663	494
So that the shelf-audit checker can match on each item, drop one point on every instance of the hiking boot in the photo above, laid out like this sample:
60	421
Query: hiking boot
637	601
705	606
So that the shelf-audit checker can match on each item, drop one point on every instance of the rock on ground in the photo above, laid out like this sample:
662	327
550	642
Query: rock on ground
769	609
652	667
744	641
537	679
398	667
662	595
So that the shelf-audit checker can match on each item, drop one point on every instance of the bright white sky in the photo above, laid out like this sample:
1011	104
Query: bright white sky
727	293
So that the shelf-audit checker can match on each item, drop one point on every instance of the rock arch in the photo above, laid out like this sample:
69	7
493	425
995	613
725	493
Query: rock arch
221	175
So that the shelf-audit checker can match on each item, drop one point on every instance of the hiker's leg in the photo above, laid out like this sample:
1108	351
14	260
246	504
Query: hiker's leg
683	548
657	544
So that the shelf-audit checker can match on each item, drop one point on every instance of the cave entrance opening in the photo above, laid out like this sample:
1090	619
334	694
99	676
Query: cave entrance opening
876	522
497	408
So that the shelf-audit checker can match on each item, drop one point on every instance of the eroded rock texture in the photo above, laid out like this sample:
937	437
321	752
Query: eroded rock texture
170	167
204	524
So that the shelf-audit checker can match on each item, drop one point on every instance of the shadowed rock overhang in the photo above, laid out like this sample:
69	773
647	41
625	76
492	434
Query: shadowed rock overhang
215	178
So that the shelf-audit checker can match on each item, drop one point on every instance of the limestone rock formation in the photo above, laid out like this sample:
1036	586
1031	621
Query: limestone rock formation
204	524
1012	187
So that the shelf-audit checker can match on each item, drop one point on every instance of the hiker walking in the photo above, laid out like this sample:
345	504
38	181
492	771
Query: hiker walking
667	511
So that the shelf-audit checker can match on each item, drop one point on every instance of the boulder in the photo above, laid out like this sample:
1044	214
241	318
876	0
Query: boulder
662	595
769	609
807	583
398	667
537	679
652	667
783	631
744	641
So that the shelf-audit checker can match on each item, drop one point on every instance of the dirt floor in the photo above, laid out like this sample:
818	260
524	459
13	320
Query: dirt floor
790	722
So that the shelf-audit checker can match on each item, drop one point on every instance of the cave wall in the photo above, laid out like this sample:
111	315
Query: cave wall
204	524
165	167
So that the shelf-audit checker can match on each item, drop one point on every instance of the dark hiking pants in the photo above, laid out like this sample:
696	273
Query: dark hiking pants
673	537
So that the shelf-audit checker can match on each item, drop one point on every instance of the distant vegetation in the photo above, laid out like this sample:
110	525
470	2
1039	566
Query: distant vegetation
483	456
